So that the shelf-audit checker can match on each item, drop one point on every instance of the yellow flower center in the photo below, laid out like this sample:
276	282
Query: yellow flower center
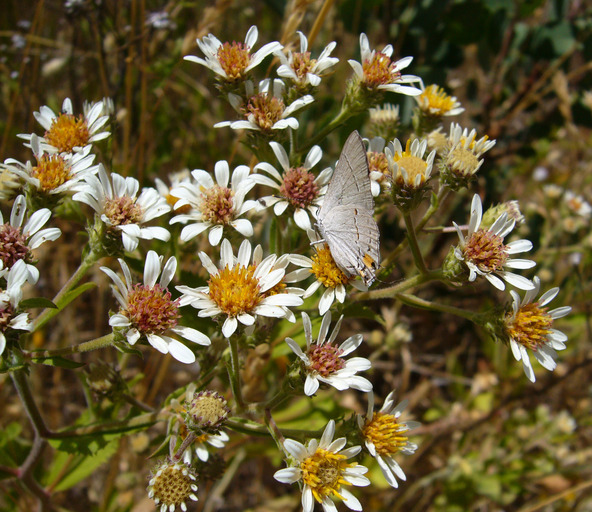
323	473
379	70
486	251
325	269
234	58
265	109
68	132
51	171
435	101
385	433
235	290
530	326
208	409
217	205
122	210
412	164
172	487
462	162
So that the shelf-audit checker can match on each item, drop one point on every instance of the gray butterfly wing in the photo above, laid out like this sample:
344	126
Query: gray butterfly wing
350	183
353	238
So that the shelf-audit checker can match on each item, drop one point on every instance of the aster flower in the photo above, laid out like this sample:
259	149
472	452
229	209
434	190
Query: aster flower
17	241
408	167
378	165
200	446
115	201
377	71
297	186
232	61
265	111
171	485
577	204
215	206
9	302
484	253
463	159
238	290
322	468
148	311
384	121
327	273
301	68
66	133
384	435
54	173
324	361
530	326
435	102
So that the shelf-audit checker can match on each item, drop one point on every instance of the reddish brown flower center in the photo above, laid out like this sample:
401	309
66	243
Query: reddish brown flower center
151	309
378	162
302	64
13	246
325	359
6	315
486	251
123	210
299	187
217	205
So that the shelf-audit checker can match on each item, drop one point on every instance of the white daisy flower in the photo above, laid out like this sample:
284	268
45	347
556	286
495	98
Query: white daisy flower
324	361
327	274
265	111
384	436
54	173
301	69
200	445
17	241
310	465
115	200
215	205
463	158
297	186
9	302
239	290
484	253
409	169
577	204
66	133
232	61
434	101
148	311
377	71
530	326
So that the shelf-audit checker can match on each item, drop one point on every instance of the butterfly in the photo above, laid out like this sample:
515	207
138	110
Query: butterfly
345	220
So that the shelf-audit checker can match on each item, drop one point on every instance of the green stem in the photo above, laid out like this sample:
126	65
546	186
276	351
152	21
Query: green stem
412	300
341	118
434	205
192	436
234	373
392	291
413	244
90	259
19	379
112	427
87	346
252	428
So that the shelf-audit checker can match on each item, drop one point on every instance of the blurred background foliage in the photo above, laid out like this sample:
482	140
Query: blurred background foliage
522	70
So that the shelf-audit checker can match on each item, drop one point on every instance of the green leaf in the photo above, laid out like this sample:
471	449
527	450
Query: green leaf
37	302
62	362
66	299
